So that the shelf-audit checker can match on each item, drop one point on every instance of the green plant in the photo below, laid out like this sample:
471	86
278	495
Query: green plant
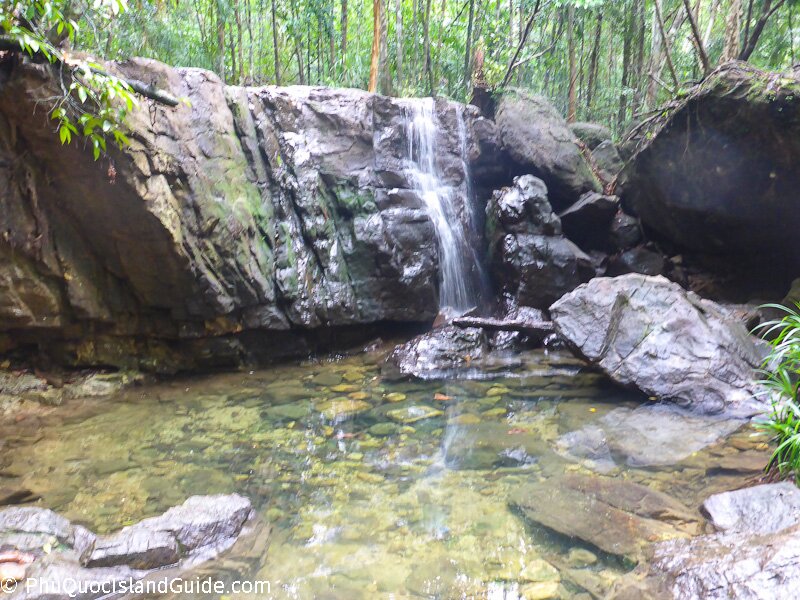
781	383
94	103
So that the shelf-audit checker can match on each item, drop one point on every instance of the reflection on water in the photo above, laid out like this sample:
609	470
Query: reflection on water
373	488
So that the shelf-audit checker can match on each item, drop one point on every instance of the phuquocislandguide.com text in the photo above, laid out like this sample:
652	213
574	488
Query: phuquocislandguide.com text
73	588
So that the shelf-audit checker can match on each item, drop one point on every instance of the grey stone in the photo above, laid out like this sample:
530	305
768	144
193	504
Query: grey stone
137	547
591	134
437	353
649	333
587	222
530	259
760	509
538	139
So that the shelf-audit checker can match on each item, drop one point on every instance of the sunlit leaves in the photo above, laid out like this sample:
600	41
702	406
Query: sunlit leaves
95	103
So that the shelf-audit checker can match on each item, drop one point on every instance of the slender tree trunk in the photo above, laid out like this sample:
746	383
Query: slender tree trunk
251	44
572	102
220	40
376	46
399	36
240	45
638	78
730	50
468	46
767	10
275	47
622	113
698	40
384	73
343	45
593	64
426	45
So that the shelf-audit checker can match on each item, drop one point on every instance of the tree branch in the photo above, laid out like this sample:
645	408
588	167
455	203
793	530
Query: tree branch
698	40
9	44
513	62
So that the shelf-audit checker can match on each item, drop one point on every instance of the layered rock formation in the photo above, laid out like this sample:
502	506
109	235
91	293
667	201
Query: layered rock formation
243	224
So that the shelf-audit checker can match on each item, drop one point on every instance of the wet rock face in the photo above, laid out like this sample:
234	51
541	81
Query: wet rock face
197	530
538	139
716	174
649	333
240	223
532	261
436	353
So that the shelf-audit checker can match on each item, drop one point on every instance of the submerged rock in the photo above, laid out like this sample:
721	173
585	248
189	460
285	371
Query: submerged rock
646	436
649	333
412	414
616	516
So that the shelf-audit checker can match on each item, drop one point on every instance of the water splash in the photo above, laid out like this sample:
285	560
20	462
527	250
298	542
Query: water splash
457	292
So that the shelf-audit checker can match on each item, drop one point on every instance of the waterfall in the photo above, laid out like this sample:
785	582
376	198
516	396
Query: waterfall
445	205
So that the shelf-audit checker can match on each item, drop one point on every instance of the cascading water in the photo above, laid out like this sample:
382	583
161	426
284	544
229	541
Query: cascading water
457	264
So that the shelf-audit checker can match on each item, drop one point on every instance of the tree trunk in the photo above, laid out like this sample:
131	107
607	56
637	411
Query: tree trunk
376	46
767	10
426	45
732	26
220	40
240	45
384	74
399	37
468	47
572	103
593	64
343	45
275	47
251	44
622	113
698	40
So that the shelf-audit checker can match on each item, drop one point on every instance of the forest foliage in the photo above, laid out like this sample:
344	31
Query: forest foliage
603	60
610	61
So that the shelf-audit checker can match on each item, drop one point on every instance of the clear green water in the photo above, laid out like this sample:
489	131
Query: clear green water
360	505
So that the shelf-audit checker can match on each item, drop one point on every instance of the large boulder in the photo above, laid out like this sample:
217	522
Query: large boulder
245	223
591	134
538	139
649	333
530	258
715	172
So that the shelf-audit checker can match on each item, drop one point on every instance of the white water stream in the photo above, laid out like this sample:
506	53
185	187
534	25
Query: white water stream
449	207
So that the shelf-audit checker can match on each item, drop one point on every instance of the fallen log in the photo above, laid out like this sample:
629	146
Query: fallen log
521	325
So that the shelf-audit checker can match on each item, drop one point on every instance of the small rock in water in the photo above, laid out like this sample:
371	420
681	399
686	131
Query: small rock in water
539	570
394	397
358	395
384	429
466	419
326	379
342	408
412	414
544	590
579	558
495	412
344	388
498	390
